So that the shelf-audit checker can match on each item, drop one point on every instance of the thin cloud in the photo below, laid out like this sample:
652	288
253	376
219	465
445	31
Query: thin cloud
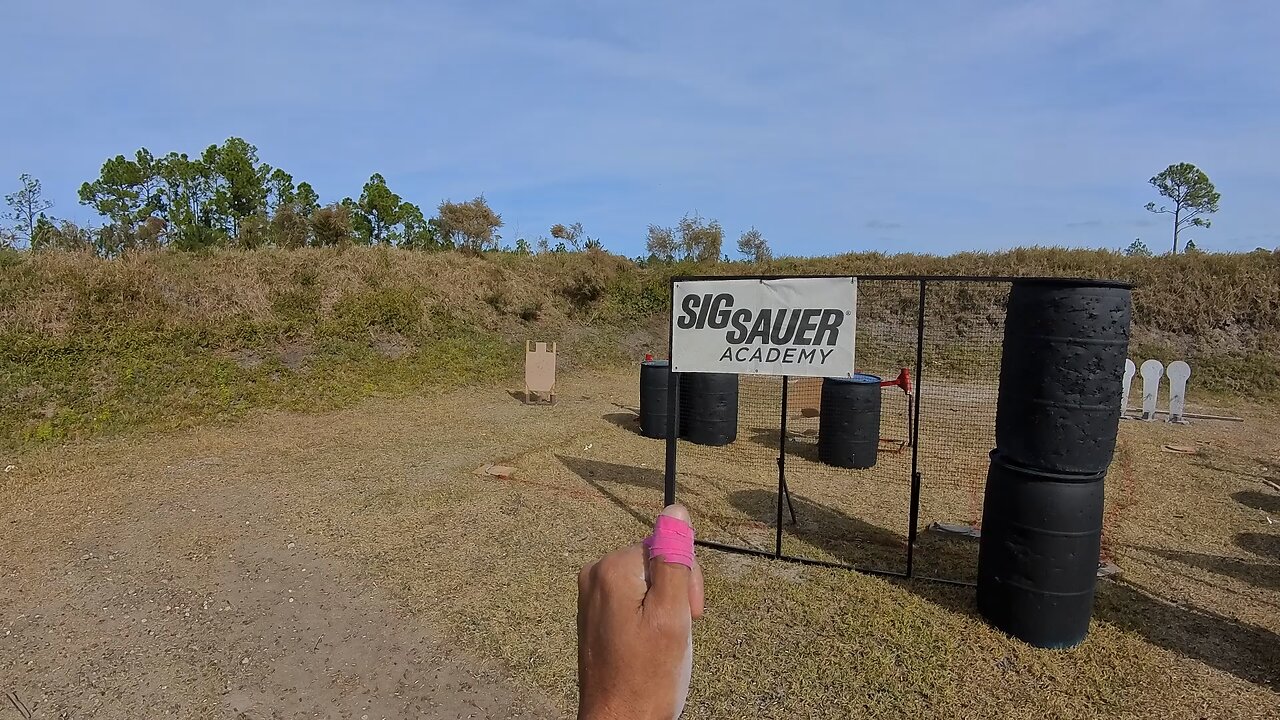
1021	118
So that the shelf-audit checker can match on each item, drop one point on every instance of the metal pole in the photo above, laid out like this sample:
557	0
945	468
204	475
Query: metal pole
673	410
786	493
782	471
735	549
910	415
782	451
914	520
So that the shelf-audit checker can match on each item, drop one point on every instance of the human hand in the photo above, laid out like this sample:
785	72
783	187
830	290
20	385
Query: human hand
635	641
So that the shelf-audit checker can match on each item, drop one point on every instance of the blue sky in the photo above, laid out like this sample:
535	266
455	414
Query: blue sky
830	126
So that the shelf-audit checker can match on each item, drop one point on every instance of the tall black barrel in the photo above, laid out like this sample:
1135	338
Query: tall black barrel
709	408
1038	554
654	376
849	426
1061	370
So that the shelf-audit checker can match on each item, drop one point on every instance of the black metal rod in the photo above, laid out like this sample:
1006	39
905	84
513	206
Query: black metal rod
912	278
673	412
946	581
735	549
841	566
755	552
782	458
777	540
910	440
782	471
786	493
914	515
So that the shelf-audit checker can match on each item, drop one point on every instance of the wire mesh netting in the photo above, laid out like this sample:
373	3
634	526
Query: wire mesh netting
963	335
732	489
862	517
858	517
830	514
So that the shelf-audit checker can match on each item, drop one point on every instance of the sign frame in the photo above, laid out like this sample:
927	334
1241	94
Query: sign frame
922	284
783	326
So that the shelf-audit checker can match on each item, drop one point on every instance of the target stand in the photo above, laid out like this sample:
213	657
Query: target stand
763	327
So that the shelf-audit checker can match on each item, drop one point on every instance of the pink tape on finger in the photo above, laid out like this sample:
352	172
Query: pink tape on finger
672	541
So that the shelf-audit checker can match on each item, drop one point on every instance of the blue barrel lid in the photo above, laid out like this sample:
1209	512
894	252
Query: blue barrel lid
863	378
655	363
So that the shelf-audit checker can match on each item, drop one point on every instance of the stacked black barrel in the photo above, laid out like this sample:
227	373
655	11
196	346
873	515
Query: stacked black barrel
1061	370
708	404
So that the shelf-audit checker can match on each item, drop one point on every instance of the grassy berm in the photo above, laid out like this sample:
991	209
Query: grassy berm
166	339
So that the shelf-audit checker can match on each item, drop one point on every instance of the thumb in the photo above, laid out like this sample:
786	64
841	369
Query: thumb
669	580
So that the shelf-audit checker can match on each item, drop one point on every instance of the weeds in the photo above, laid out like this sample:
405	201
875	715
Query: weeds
167	338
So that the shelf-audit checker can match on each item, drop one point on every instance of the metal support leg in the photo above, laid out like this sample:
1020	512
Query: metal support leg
782	474
786	493
914	511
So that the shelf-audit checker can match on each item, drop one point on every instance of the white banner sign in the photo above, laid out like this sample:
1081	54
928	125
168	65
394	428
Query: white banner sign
794	326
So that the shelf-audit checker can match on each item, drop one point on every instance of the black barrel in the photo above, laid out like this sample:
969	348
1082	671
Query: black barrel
849	425
1061	371
1038	553
654	376
709	408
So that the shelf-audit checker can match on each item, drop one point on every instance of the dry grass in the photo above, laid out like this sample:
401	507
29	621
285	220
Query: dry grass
162	339
1227	297
60	293
157	340
1189	632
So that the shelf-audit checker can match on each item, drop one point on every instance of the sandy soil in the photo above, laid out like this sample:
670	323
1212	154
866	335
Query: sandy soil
350	564
203	606
173	577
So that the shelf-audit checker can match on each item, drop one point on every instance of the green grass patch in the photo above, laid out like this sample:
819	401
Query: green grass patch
169	338
138	379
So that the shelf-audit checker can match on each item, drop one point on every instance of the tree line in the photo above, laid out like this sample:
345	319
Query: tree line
227	197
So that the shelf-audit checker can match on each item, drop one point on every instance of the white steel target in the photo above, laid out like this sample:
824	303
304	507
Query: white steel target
1179	372
1152	371
1129	371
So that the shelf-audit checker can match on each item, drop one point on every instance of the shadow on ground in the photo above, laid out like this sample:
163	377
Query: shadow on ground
594	471
532	398
835	535
853	541
1241	465
801	446
1265	575
846	538
1247	651
1264	545
625	420
1266	502
600	475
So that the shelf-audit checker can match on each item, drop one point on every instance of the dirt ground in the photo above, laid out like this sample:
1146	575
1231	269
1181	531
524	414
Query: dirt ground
178	576
351	564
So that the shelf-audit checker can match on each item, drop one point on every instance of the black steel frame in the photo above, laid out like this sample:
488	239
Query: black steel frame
783	492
